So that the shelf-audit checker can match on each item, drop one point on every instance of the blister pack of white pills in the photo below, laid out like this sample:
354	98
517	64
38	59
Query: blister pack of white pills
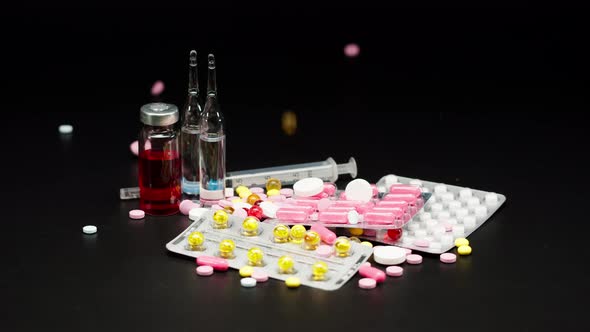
452	212
282	252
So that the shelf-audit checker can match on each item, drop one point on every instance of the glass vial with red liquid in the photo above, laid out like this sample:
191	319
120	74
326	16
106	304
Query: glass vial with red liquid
160	168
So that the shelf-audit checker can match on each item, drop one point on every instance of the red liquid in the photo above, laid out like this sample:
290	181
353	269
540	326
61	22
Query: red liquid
159	182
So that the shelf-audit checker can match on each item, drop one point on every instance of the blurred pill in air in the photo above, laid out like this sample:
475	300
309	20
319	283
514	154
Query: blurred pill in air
157	88
134	147
352	50
289	123
65	129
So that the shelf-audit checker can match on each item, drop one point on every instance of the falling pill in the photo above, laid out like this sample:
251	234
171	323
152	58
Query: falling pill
352	50
157	88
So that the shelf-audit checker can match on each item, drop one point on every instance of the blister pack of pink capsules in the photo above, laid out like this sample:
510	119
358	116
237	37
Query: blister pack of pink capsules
451	212
358	206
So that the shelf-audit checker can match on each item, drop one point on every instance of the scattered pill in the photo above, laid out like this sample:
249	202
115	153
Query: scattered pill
248	282
205	270
246	271
389	255
134	147
464	250
367	283
218	263
461	242
359	190
185	206
65	129
448	258
352	50
408	251
367	271
414	259
287	192
89	229
292	282
260	275
394	271
136	214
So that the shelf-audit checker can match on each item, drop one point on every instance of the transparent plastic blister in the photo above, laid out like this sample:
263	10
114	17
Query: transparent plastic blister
341	269
452	212
362	208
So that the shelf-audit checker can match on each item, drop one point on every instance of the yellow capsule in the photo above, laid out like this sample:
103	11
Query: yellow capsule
245	193
293	282
229	209
239	189
220	219
464	250
281	233
195	240
226	248
255	256
252	199
354	239
297	233
342	246
286	264
250	226
272	192
461	242
319	270
246	271
356	231
289	123
312	240
273	184
367	243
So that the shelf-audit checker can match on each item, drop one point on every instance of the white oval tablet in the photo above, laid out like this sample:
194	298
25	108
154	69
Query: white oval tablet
308	187
196	213
65	129
248	282
358	190
353	217
389	255
89	229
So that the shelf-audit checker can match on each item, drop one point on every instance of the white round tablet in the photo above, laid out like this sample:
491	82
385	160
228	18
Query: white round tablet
196	213
309	187
89	229
65	129
358	190
389	255
248	282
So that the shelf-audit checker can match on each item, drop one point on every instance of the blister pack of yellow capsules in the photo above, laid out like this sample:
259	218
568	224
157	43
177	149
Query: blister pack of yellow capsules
316	257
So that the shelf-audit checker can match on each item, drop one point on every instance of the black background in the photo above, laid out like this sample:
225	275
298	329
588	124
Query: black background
395	108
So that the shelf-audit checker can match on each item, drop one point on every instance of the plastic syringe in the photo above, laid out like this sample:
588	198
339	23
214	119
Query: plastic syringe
326	170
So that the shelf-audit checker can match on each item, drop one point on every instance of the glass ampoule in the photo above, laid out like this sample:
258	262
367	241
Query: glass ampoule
189	137
212	144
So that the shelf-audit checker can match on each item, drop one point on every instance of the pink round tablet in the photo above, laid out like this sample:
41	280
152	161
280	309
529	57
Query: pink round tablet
287	192
414	259
367	283
259	275
256	190
408	251
204	270
448	258
352	50
324	251
134	147
421	243
136	214
187	205
366	264
394	271
277	198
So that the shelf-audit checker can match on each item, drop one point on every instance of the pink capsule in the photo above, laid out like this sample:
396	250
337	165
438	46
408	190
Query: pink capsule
395	210
368	271
405	189
329	189
408	198
354	204
277	198
340	208
306	202
364	207
333	217
218	263
292	215
393	204
319	196
379	218
305	208
325	234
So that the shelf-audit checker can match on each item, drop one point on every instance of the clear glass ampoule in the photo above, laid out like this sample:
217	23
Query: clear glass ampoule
212	144
189	137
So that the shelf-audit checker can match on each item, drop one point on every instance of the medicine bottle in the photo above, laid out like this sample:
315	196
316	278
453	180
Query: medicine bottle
160	167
